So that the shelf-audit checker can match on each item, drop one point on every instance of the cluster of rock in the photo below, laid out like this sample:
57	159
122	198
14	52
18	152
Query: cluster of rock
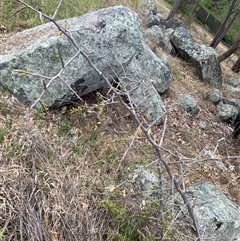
229	110
173	36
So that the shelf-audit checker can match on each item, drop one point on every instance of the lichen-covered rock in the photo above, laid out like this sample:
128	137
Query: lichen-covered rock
202	57
148	7
145	182
159	75
218	217
228	113
215	96
233	102
143	94
175	23
112	39
232	81
189	104
157	36
149	13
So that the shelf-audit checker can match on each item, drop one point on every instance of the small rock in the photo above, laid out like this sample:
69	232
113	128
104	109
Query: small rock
232	81
144	181
204	125
189	104
235	90
216	158
228	113
233	102
155	20
215	96
156	36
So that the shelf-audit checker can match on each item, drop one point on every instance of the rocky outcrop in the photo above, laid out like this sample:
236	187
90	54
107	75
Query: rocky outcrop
217	215
202	57
111	38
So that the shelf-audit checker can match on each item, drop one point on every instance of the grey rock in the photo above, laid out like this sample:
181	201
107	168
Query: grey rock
175	23
149	13
227	113
148	7
204	125
218	217
215	96
202	57
165	60
143	95
159	75
144	181
157	36
157	19
111	38
215	158
233	102
235	90
232	81
189	104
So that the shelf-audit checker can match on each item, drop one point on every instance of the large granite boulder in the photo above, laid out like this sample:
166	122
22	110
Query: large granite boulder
202	57
112	39
218	217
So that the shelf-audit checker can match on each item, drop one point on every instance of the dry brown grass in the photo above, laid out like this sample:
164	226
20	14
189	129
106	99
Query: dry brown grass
62	166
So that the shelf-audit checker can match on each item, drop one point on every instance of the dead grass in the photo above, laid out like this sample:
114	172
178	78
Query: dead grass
60	176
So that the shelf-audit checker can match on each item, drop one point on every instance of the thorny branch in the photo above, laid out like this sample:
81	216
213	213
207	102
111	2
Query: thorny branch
132	111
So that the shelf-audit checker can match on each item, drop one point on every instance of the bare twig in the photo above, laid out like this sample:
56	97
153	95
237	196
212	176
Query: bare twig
56	11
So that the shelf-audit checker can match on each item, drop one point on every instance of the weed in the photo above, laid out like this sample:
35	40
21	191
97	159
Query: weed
3	104
128	226
65	126
38	114
2	133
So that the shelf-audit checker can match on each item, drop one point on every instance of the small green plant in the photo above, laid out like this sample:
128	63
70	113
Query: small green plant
2	133
39	114
65	126
128	225
3	104
131	224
